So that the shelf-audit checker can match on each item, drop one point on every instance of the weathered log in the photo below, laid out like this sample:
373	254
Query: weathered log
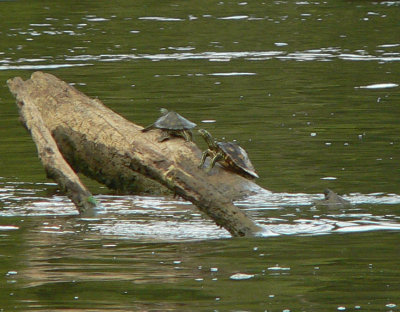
104	146
53	162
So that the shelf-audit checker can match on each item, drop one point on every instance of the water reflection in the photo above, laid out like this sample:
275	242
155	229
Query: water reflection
167	219
323	54
309	88
64	262
84	26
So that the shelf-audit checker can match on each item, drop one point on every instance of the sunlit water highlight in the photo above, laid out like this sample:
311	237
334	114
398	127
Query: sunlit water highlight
323	54
311	88
165	218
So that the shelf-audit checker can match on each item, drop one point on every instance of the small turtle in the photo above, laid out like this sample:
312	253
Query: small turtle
332	200
229	154
172	124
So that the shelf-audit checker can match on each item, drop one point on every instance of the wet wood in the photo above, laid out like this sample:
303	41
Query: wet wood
101	144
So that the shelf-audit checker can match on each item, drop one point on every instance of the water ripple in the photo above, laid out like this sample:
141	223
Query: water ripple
234	17
165	218
309	55
39	67
379	86
161	19
323	54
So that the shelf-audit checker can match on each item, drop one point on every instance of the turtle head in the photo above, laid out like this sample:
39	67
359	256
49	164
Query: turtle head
207	137
327	193
163	111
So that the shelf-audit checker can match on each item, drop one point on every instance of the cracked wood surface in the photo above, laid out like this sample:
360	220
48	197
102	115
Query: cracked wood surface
106	147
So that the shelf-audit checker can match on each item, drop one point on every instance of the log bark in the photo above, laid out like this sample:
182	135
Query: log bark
53	162
92	139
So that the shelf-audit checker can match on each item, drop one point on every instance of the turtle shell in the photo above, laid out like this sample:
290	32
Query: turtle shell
236	156
173	121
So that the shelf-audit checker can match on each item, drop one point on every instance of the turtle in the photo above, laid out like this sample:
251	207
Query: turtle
172	124
229	154
332	200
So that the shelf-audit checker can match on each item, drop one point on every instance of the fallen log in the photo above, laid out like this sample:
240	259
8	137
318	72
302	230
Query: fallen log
92	139
53	162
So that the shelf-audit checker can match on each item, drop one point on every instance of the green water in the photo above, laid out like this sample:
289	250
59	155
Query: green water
297	83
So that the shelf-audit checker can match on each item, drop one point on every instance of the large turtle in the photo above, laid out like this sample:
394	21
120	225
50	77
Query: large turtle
172	124
229	154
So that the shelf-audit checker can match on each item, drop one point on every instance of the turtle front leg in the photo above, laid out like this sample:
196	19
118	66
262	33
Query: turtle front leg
188	135
164	136
216	158
203	158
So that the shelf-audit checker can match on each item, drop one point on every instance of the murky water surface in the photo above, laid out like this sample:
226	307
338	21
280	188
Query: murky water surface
309	88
